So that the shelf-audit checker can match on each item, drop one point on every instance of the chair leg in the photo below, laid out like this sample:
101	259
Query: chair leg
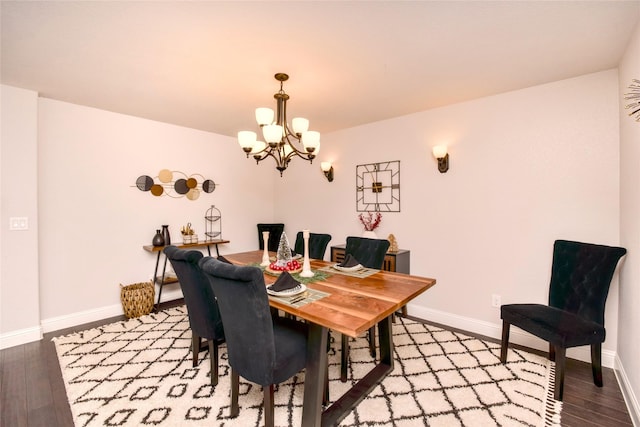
596	363
213	358
344	358
235	390
560	356
505	341
268	405
372	342
325	398
195	348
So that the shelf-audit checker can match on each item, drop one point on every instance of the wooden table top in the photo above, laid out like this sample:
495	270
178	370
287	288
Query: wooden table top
354	304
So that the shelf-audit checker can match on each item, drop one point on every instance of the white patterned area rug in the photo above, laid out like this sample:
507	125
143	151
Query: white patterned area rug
139	372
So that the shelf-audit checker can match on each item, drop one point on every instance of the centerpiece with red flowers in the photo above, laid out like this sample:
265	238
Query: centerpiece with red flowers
370	221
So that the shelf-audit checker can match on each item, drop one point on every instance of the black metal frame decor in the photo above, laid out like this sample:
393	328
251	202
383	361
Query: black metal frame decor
378	187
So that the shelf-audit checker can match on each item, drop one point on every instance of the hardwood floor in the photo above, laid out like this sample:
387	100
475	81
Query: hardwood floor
32	392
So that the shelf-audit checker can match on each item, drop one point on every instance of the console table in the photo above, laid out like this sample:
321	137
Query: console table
399	262
162	280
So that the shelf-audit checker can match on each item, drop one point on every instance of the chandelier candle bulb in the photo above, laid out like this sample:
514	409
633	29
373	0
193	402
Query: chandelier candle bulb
306	265
300	125
264	116
272	133
247	140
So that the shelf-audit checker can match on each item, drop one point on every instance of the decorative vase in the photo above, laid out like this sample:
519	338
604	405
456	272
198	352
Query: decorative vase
166	235
158	239
369	234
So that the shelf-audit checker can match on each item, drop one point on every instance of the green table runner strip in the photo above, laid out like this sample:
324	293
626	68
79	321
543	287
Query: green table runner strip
362	273
308	296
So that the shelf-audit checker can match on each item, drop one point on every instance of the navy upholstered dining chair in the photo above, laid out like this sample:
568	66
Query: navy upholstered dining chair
317	244
275	231
581	274
202	308
370	253
262	348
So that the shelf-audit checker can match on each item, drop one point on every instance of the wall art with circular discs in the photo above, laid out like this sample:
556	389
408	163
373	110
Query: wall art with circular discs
634	97
175	184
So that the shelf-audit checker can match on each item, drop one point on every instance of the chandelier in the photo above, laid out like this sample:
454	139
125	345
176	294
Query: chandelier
282	142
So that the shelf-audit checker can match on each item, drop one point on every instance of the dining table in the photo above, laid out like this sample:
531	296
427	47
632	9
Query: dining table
349	304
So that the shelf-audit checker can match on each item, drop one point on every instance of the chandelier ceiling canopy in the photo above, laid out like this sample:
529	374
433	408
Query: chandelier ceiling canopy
282	142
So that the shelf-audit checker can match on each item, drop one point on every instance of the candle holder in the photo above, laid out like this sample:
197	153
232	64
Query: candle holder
265	255
306	265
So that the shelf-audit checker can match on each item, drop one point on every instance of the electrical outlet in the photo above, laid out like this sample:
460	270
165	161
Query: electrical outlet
495	300
18	223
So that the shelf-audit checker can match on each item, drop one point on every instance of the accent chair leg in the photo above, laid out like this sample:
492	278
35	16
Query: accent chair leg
268	405
505	341
195	348
596	363
235	390
560	357
213	358
344	358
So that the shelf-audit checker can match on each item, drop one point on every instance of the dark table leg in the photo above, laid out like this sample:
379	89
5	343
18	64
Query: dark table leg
315	373
161	284
341	407
153	280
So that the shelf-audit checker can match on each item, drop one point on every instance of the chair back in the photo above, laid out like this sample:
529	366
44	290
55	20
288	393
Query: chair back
580	277
204	316
369	252
275	231
317	244
244	305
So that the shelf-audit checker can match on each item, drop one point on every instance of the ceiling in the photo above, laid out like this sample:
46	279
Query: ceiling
209	64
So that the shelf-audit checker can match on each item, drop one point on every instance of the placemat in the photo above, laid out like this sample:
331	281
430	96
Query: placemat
308	296
365	272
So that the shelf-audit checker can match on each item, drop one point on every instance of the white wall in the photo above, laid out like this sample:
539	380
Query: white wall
93	221
629	315
19	307
527	167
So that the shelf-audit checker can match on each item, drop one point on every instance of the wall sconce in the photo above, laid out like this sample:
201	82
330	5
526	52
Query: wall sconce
327	169
440	153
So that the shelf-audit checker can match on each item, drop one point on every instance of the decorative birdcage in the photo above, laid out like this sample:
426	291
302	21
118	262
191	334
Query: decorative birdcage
213	224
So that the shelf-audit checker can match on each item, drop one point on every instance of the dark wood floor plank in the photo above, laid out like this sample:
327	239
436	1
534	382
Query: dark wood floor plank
61	403
13	400
39	398
585	405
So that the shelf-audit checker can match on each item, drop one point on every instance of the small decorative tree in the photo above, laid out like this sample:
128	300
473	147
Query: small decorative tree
284	250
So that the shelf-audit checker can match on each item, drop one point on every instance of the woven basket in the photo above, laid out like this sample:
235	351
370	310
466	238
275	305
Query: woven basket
137	299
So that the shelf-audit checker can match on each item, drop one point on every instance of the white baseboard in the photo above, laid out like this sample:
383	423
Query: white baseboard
27	335
494	330
627	392
19	337
80	318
